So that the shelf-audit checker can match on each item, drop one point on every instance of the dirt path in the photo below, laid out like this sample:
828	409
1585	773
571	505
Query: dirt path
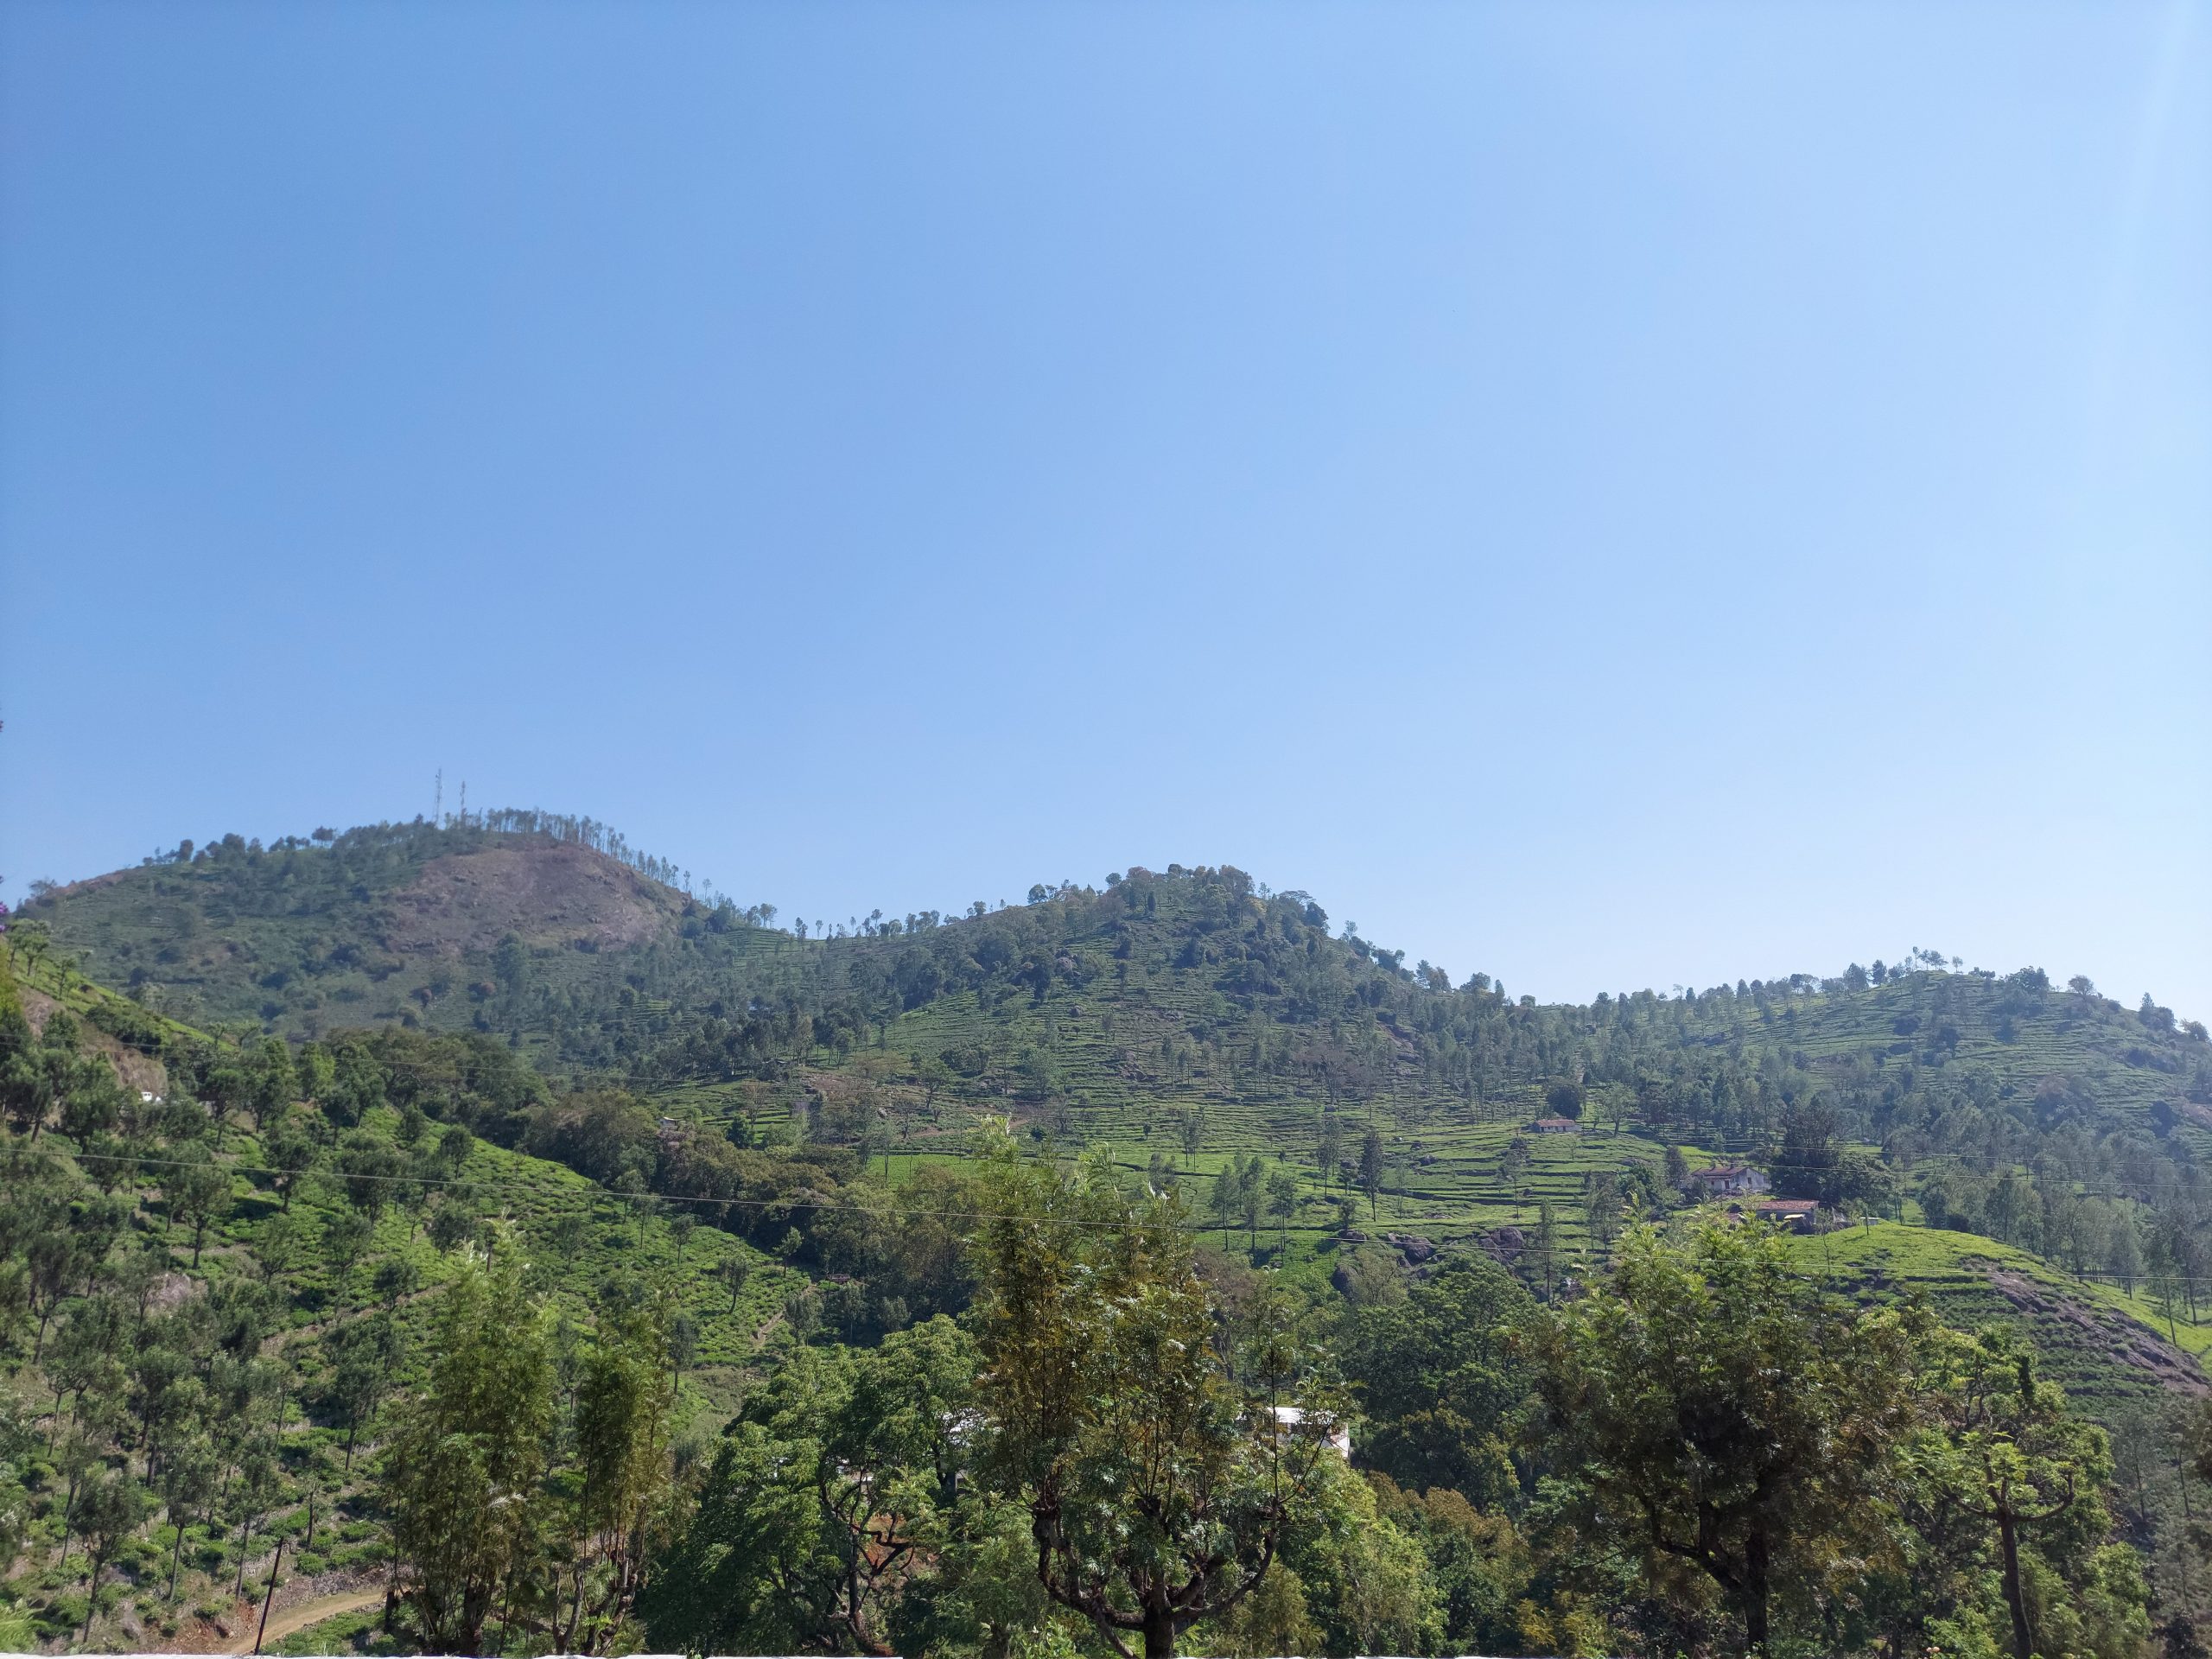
284	1621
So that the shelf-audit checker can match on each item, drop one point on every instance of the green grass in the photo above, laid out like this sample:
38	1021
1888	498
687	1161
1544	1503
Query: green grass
2097	1340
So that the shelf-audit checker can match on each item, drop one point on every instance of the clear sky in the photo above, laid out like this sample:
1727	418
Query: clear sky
1607	495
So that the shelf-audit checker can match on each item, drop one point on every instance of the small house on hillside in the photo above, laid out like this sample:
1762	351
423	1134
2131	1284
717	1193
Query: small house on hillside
1555	1126
1798	1215
1729	1181
1337	1434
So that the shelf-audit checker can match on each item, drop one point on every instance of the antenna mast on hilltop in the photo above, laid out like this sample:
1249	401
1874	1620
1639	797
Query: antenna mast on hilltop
438	797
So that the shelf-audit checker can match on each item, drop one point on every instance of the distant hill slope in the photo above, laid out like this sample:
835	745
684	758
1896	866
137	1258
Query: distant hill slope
1190	1016
1190	1024
383	923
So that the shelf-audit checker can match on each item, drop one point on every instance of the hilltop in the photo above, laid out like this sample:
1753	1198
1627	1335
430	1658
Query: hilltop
387	922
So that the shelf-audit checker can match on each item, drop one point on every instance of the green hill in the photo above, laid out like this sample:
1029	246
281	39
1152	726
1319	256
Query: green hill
1185	1017
1158	1012
1185	1023
647	1084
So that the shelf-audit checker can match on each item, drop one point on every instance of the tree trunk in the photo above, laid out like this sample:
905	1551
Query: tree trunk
1159	1632
92	1601
2008	1538
475	1613
1755	1591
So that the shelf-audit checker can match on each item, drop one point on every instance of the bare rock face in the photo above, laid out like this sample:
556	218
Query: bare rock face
1504	1245
1415	1249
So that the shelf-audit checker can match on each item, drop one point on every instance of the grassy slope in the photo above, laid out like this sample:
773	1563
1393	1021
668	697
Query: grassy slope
1124	1060
2111	1350
621	1251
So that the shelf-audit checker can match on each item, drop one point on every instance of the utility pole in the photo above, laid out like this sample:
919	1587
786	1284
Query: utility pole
275	1562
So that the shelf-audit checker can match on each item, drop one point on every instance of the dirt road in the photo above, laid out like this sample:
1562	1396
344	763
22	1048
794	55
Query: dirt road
282	1621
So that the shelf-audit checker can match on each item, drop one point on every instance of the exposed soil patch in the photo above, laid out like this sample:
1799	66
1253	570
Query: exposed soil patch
137	1071
2125	1340
300	1602
548	895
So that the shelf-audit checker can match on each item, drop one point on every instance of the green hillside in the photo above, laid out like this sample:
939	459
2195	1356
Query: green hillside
1183	1020
205	1314
639	1072
1188	1015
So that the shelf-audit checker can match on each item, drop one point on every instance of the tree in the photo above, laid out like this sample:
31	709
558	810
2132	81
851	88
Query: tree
1546	1247
2007	1452
1282	1198
271	1083
1225	1198
1707	1408
1371	1165
462	1475
1329	1149
189	1471
195	1187
625	1397
1439	1380
363	1354
2124	1251
371	1172
108	1512
252	1492
345	1235
733	1271
1160	1488
1601	1207
395	1280
93	1100
292	1152
34	1079
823	1495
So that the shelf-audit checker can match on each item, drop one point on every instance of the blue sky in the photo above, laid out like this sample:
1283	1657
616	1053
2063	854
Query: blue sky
1607	495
